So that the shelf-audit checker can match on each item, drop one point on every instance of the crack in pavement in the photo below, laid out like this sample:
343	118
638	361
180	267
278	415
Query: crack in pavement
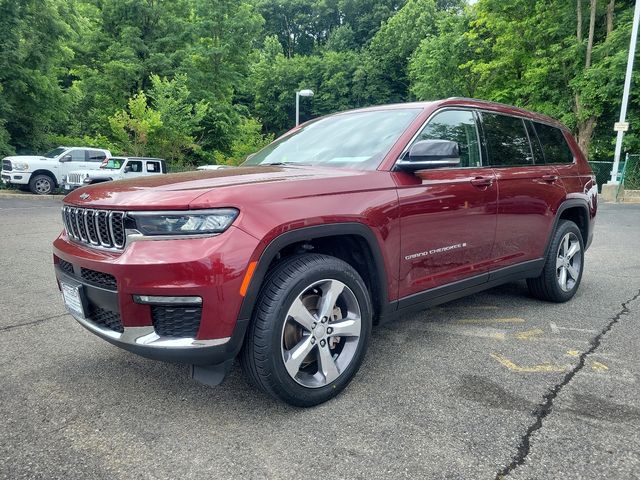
34	322
544	408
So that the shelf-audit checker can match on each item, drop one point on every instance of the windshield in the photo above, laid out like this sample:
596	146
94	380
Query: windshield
357	140
112	163
55	152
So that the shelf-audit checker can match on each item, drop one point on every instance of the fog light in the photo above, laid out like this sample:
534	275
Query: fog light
162	300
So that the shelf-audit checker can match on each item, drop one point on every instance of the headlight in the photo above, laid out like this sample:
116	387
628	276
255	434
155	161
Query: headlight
20	166
195	222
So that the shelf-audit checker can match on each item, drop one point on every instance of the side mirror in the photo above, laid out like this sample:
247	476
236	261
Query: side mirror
127	169
430	154
65	158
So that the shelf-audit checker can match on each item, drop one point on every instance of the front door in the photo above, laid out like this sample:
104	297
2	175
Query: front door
447	217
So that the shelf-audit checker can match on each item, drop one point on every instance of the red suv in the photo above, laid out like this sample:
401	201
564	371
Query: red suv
346	221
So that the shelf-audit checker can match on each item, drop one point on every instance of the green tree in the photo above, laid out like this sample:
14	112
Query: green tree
164	123
383	76
180	119
537	55
441	66
32	50
133	128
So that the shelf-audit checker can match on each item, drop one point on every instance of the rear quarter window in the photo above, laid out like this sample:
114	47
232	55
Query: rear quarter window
96	155
554	145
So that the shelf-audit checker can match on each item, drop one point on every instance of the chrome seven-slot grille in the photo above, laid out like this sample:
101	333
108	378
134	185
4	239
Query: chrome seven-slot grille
97	228
75	178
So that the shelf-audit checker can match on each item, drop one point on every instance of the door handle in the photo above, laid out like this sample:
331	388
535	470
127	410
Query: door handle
550	178
482	181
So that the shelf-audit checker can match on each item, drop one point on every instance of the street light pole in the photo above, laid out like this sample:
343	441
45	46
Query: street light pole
305	93
625	93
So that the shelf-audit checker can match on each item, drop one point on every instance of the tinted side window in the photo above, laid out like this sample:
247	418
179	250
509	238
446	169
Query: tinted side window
96	156
554	145
78	155
507	140
457	126
538	156
153	167
136	166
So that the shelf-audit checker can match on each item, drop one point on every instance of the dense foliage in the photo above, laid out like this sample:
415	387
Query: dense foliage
201	81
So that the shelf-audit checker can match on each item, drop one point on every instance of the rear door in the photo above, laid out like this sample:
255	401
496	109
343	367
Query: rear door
152	167
528	189
448	217
95	158
559	156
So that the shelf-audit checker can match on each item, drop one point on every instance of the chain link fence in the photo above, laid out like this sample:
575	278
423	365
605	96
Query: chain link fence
631	172
602	171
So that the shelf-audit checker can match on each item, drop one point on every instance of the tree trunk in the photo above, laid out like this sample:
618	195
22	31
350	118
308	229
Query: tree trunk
579	22
585	133
610	7
592	28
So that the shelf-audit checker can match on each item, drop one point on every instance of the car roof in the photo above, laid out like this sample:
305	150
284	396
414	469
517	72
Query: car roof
137	158
86	148
468	103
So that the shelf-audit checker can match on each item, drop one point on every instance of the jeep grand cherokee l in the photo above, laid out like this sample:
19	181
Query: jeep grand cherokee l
347	221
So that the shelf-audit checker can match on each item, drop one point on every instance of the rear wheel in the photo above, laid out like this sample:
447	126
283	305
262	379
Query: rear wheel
563	268
41	184
310	330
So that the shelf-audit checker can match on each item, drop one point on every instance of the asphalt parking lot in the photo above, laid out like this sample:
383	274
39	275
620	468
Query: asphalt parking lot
494	384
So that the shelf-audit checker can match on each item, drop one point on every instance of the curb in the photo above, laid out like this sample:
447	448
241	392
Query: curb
30	196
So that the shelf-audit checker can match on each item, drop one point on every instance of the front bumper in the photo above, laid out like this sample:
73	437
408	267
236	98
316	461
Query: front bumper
15	178
211	268
67	187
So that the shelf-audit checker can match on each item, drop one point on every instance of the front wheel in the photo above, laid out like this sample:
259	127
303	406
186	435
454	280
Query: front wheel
564	264
310	330
41	185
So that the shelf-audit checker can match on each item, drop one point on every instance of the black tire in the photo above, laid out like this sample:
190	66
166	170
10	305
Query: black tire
262	357
42	184
548	285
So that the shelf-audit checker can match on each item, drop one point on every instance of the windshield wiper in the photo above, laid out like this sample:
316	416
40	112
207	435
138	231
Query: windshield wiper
285	163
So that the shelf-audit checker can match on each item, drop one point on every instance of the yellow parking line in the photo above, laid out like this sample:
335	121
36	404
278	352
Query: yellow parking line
490	320
543	368
529	334
599	367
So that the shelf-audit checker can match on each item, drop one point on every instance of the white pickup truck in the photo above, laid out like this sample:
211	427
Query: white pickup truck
115	168
43	173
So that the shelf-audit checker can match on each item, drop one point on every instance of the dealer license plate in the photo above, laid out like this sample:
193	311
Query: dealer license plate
72	299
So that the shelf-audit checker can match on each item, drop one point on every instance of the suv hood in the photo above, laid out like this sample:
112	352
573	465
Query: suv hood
232	187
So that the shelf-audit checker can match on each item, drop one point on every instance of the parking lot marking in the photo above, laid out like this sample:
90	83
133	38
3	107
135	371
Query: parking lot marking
471	307
491	320
542	368
450	329
573	353
529	334
599	367
556	329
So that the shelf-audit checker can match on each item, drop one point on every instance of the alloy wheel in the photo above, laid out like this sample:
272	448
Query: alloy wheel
568	262
321	333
